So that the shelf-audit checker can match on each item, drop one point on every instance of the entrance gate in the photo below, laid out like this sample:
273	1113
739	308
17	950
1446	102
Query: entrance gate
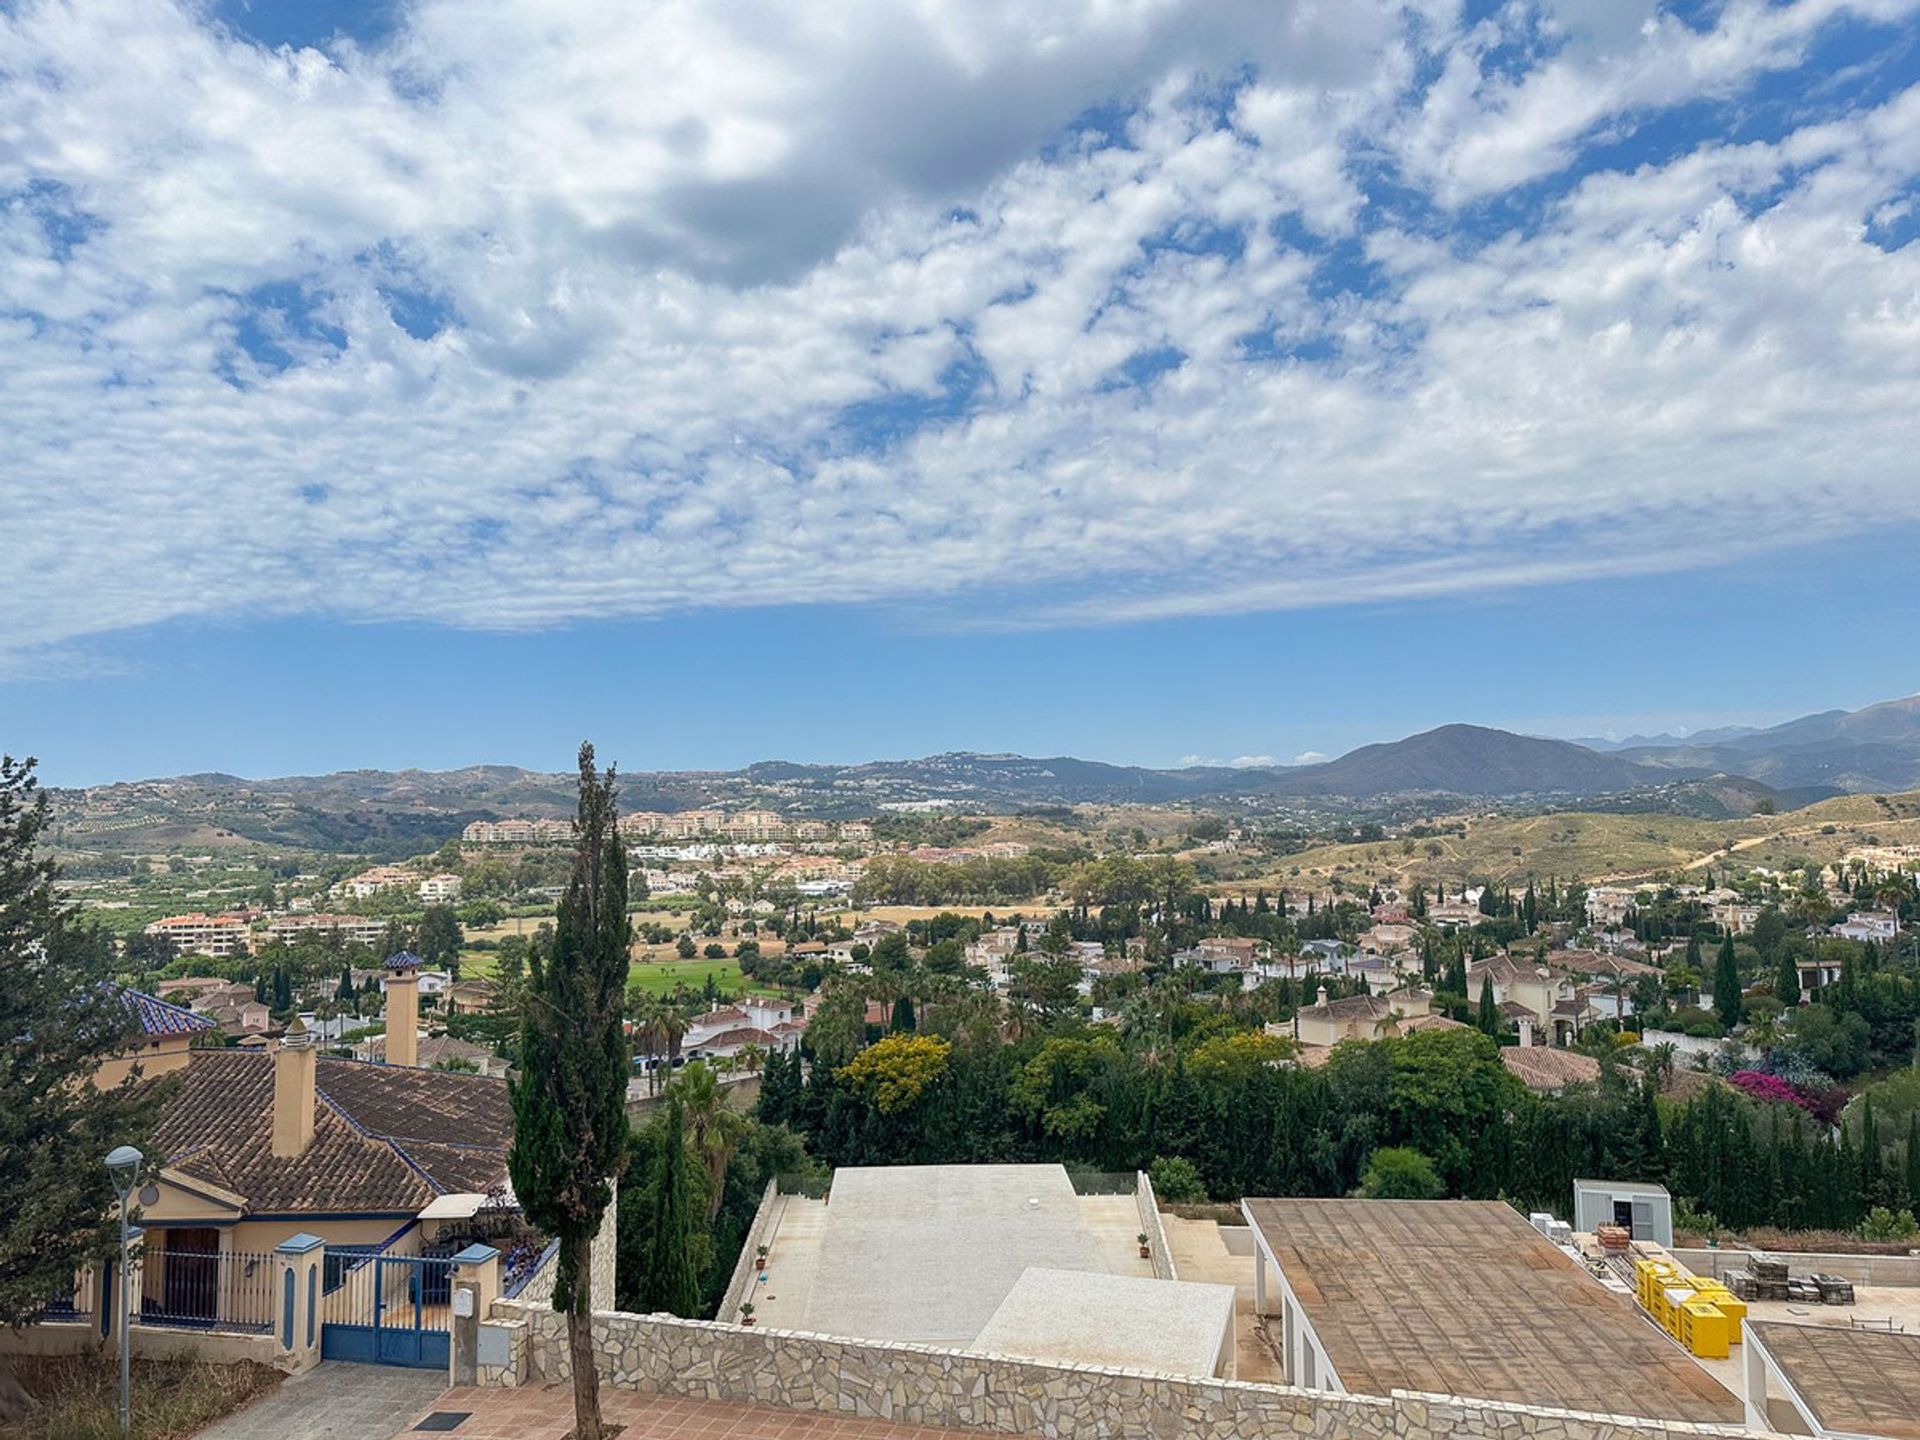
387	1309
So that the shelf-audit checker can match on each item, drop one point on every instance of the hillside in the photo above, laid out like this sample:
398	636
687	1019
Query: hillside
1875	748
1516	848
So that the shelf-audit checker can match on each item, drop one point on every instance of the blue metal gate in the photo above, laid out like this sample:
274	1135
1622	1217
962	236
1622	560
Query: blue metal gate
387	1309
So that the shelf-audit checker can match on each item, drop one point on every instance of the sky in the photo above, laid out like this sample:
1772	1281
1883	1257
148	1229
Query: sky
429	382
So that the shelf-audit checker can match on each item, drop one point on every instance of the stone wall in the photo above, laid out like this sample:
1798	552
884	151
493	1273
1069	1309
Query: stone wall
766	1220
1152	1227
922	1385
603	1255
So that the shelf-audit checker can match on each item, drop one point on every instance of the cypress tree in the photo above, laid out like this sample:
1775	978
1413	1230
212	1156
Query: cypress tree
1913	1158
671	1280
569	1102
902	1015
1726	985
1489	1016
1786	980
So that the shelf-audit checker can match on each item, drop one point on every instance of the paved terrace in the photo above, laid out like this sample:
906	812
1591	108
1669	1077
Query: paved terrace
927	1253
545	1412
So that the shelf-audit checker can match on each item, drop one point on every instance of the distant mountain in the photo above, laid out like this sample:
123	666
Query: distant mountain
1718	736
1716	773
1868	750
1469	760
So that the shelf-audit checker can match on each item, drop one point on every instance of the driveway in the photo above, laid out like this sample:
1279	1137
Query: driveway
335	1401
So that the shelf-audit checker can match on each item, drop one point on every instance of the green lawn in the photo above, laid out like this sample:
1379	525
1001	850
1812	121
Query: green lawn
659	977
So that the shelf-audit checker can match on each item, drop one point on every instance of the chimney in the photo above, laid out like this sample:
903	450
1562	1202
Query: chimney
1526	1032
403	1009
1321	998
293	1072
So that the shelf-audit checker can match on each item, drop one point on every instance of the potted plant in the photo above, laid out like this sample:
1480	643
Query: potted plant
746	1313
760	1257
1145	1253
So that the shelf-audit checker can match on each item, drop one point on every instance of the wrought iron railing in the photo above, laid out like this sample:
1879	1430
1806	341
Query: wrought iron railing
196	1290
67	1305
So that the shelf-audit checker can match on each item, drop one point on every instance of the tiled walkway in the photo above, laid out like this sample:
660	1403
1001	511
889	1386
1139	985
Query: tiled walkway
333	1402
545	1412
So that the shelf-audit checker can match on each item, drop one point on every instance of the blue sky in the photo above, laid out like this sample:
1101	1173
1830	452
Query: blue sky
438	381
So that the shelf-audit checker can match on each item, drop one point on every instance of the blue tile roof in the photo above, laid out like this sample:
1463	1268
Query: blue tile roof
162	1017
405	960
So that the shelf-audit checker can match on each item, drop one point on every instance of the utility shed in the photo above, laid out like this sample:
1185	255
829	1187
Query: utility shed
1644	1210
1070	1317
1462	1297
1841	1382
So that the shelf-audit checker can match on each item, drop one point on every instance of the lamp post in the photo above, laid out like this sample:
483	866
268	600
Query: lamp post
123	1164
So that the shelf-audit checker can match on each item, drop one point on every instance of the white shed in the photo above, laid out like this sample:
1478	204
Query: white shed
1645	1211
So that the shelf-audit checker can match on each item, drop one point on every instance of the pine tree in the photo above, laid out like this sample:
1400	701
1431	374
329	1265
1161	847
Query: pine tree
1726	985
55	1197
670	1280
569	1102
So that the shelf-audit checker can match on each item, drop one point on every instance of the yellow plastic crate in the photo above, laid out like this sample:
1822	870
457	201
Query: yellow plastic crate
1704	1329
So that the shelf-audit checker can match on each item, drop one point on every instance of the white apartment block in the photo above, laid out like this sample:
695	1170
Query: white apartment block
440	889
355	929
197	934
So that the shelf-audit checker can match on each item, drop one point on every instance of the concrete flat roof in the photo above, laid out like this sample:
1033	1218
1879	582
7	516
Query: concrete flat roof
1464	1297
926	1253
1076	1318
1854	1382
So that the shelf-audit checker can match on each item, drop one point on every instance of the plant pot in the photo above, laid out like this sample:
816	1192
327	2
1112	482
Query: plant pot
760	1262
1145	1253
746	1320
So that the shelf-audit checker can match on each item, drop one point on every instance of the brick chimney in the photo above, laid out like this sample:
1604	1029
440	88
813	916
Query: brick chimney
403	1009
294	1063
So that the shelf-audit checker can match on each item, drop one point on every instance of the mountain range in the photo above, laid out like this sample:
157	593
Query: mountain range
1715	774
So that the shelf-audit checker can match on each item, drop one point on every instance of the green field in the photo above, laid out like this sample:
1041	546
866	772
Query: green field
659	977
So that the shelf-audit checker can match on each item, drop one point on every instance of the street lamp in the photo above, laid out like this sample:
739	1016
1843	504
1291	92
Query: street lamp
123	1164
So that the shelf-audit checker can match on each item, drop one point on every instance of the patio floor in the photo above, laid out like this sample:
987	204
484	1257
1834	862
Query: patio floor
545	1412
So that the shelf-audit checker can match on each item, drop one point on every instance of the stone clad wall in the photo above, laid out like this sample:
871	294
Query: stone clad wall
921	1385
1150	1224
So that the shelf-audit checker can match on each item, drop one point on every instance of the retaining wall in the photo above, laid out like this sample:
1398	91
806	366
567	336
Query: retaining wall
1150	1223
922	1385
766	1220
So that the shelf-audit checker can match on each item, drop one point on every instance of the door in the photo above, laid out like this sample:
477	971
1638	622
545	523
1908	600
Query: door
190	1276
1623	1215
389	1310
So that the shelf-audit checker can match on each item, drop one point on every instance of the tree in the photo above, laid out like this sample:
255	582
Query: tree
714	1130
1726	985
670	1276
1176	1181
1398	1172
1786	980
1488	1016
55	1198
439	940
893	1073
569	1102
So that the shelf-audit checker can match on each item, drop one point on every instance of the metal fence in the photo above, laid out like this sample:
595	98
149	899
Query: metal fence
69	1304
196	1290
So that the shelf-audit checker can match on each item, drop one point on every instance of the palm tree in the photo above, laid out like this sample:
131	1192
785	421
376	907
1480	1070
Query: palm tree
713	1130
750	1058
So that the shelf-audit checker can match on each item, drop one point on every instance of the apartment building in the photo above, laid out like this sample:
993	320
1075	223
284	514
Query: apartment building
441	889
198	934
355	929
369	883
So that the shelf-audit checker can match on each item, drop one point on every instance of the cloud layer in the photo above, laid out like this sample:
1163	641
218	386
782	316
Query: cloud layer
1007	313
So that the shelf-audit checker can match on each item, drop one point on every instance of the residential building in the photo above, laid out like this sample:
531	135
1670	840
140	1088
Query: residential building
1357	1017
442	889
1875	926
1453	914
197	934
369	883
368	930
856	831
1831	1383
1609	905
757	1020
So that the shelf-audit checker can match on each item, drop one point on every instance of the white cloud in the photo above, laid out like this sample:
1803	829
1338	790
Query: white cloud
1238	762
672	275
1309	757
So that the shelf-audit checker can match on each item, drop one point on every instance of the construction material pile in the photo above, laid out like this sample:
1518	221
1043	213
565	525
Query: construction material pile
1767	1278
